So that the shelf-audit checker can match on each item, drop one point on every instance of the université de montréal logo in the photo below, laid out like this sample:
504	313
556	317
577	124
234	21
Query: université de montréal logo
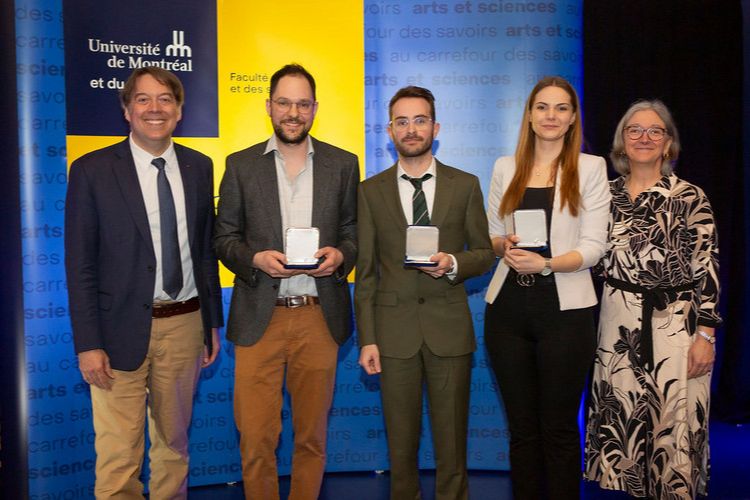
176	56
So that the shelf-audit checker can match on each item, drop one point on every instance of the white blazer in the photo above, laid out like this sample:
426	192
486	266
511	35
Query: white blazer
587	233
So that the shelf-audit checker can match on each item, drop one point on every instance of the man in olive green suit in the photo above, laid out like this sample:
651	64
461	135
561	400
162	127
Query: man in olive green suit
414	324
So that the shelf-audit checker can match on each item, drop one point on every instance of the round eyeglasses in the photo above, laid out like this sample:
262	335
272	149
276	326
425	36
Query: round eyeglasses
635	132
285	105
419	122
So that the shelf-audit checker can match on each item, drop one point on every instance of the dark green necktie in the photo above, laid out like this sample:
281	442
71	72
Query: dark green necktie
171	263
418	201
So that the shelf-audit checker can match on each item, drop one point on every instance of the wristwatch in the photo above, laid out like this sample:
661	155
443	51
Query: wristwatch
547	267
709	338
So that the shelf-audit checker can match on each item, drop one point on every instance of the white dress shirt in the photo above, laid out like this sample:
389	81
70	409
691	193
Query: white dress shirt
406	194
296	202
147	174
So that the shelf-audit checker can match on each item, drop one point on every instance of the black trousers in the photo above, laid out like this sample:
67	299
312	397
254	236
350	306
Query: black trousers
541	357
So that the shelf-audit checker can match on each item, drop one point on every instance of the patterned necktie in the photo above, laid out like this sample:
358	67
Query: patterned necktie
171	263
418	201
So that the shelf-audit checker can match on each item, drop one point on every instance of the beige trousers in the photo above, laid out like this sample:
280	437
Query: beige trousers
164	385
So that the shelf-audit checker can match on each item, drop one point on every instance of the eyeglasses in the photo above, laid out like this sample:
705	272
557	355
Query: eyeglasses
419	122
635	132
164	100
285	105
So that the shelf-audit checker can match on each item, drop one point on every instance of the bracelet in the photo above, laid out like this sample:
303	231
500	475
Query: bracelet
709	338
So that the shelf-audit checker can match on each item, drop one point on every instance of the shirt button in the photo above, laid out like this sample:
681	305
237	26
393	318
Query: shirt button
147	306
421	300
150	269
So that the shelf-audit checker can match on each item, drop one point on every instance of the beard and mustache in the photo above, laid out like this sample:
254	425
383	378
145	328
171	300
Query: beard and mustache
412	151
298	138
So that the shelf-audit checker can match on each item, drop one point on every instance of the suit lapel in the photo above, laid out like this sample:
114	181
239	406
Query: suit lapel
127	179
444	187
190	186
388	188
556	199
269	187
321	186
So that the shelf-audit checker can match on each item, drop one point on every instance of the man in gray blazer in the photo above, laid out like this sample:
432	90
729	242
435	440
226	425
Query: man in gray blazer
281	319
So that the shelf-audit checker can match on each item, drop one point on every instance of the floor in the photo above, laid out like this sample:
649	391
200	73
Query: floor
730	478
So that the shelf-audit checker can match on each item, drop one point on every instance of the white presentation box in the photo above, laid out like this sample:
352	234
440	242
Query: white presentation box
531	227
300	246
421	244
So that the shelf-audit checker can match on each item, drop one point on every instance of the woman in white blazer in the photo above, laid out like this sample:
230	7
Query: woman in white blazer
539	325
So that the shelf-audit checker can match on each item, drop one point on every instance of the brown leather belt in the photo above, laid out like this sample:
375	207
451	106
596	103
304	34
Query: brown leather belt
297	301
165	310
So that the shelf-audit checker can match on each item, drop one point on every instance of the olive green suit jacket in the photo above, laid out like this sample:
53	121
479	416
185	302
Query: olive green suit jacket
401	308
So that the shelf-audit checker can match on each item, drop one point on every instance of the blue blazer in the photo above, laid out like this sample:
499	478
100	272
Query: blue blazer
109	255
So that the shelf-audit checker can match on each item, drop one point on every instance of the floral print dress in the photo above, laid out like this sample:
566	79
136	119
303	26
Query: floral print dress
647	431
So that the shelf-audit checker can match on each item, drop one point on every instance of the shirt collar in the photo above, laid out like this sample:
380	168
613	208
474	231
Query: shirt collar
142	156
432	169
273	145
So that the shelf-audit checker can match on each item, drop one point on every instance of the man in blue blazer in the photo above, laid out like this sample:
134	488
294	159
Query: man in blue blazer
287	323
143	287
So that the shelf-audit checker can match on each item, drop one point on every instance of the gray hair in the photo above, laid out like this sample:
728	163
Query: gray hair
617	155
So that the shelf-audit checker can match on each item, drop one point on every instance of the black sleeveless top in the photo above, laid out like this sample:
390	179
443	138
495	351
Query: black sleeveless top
535	198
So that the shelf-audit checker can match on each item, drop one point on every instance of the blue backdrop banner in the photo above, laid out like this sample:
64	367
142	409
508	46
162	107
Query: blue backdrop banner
480	58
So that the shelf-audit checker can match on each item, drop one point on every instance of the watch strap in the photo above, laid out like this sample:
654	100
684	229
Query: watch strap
709	338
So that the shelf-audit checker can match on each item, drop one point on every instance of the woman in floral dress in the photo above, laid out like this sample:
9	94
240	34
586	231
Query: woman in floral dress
648	421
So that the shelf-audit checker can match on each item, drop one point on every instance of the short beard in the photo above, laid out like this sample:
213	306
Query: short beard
406	153
279	131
